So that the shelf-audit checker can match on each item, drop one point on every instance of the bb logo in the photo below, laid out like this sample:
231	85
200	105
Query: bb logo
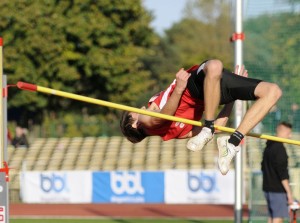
126	182
202	182
53	182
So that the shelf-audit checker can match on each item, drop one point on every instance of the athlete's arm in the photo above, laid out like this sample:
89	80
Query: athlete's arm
172	104
224	114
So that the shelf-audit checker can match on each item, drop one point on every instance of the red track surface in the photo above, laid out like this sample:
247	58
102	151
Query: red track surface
124	210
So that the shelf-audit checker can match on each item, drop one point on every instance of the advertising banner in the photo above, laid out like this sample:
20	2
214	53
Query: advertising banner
199	186
128	187
171	186
56	187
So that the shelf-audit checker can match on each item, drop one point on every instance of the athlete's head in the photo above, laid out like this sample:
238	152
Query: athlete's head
130	129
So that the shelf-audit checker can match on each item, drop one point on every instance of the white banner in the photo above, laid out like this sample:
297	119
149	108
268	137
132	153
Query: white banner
201	187
56	186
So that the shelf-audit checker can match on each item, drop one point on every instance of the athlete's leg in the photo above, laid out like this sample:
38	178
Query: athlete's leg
213	73
268	94
212	94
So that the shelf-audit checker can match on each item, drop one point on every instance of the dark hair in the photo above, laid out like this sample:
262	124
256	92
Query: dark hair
286	124
134	135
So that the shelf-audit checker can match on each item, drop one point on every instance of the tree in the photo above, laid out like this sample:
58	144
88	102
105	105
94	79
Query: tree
215	27
285	46
257	47
93	48
195	38
277	43
271	54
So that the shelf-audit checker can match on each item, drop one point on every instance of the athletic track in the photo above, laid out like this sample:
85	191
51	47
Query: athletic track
123	211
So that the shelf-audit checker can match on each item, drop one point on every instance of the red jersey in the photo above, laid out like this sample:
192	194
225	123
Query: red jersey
188	108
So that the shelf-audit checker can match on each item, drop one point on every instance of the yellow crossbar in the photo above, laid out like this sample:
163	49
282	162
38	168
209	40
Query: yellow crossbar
32	87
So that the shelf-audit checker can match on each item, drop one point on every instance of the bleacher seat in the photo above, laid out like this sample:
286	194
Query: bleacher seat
98	153
117	153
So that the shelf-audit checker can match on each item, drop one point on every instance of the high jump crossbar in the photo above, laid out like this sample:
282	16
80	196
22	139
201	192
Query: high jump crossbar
36	88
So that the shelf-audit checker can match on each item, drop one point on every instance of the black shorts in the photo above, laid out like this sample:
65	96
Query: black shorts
233	87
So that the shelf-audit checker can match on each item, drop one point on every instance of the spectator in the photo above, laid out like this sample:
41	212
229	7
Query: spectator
276	177
20	139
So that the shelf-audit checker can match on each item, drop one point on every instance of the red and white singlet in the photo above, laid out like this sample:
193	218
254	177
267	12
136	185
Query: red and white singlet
189	108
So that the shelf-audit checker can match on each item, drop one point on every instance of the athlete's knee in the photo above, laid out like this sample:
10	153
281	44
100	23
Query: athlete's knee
213	68
268	90
274	92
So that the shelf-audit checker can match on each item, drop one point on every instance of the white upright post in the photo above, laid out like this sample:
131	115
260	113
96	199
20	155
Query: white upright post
238	37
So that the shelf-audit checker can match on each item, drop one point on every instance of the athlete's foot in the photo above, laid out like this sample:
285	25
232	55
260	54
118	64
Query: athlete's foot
226	153
197	142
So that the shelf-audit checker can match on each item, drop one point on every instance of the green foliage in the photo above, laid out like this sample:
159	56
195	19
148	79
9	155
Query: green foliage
105	49
197	37
271	49
285	47
257	49
271	53
209	27
93	48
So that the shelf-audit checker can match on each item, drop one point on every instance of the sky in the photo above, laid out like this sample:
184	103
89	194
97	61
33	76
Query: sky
166	12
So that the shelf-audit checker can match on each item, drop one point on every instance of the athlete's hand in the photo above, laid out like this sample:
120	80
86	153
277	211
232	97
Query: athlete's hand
243	72
181	80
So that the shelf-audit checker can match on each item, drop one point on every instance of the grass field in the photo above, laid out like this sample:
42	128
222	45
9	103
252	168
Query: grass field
118	221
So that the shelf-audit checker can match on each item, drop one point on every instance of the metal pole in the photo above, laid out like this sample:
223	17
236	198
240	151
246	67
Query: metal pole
3	142
5	199
1	105
238	60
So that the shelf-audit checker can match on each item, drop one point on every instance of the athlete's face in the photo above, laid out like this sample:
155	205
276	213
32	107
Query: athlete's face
135	117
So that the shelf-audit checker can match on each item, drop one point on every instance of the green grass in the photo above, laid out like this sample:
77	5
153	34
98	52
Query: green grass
118	221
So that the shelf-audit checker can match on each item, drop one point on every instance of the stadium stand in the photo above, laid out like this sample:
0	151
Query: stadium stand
116	153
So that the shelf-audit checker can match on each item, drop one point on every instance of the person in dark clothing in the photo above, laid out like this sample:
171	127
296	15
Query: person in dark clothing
276	177
20	139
